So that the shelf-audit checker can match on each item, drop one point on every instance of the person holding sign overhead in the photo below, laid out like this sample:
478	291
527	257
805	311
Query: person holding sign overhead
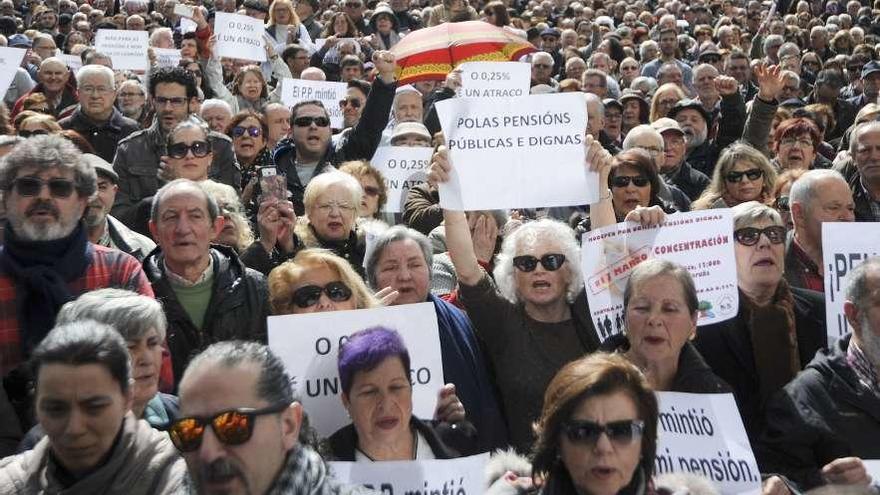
249	88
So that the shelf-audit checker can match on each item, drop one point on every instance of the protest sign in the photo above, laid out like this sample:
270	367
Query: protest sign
495	79
845	245
461	476
183	10
873	468
239	36
188	25
402	167
700	241
516	153
73	62
704	434
308	344
10	61
127	49
329	93
167	57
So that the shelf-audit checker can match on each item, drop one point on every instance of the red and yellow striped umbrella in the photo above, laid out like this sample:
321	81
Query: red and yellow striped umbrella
432	53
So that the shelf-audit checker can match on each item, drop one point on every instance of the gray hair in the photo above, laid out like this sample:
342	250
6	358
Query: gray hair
751	212
183	184
159	32
773	39
788	74
656	267
530	234
213	103
789	48
857	290
871	126
804	189
96	70
542	55
594	99
137	84
130	313
643	48
647	85
333	177
191	122
394	234
47	152
639	130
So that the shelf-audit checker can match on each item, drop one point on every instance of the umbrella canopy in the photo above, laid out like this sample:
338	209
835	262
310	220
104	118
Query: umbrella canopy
432	53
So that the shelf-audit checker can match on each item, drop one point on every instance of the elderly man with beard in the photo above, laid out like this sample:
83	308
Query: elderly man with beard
46	259
675	169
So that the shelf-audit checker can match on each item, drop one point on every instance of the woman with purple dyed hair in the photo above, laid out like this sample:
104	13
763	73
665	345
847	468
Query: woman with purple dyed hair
374	371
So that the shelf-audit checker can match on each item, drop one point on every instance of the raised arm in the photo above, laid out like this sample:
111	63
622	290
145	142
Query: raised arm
598	159
760	117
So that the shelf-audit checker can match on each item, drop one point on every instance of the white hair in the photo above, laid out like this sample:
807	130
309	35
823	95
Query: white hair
96	70
213	103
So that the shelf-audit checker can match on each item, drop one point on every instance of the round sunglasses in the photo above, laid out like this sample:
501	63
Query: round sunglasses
308	296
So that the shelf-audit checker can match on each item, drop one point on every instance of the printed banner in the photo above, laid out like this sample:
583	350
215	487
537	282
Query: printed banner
402	167
329	93
167	57
845	245
10	61
309	345
516	153
704	434
239	36
127	49
462	476
495	79
700	241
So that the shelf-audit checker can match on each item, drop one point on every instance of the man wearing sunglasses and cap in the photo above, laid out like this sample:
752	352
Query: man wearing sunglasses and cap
240	427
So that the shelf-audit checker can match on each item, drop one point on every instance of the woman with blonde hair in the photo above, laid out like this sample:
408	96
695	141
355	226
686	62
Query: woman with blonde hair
38	124
373	184
742	174
284	26
664	99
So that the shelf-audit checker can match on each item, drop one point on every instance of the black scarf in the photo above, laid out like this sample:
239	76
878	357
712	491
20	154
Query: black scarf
41	270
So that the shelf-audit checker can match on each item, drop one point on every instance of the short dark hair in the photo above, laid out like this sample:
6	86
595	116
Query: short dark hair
85	342
273	384
295	108
244	115
360	84
291	51
366	349
177	75
350	60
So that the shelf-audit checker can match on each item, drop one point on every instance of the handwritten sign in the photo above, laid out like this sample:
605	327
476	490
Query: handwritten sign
704	434
873	468
188	25
73	62
495	79
240	36
167	57
127	49
516	153
845	245
461	476
10	61
329	93
402	167
700	241
309	346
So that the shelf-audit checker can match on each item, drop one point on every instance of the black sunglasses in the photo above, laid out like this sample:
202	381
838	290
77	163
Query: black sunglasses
620	433
354	102
710	59
751	174
550	262
35	132
749	236
254	132
232	427
624	180
31	186
308	296
199	149
782	204
307	121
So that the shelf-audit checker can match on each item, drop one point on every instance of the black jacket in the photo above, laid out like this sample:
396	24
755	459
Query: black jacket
731	123
727	348
823	414
447	441
103	136
861	198
689	180
238	308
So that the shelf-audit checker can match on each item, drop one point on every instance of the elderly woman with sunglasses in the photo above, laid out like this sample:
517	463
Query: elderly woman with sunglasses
741	174
778	328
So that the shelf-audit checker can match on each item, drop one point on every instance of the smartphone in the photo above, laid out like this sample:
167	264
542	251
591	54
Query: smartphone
272	184
183	10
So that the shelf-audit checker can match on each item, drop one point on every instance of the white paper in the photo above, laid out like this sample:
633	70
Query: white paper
516	153
402	167
464	475
183	10
329	93
188	25
73	62
167	57
308	344
127	49
845	245
239	36
495	79
704	434
873	468
700	241
10	61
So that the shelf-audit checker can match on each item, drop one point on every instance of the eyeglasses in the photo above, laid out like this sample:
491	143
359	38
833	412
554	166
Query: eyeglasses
31	186
782	203
749	236
620	433
175	101
36	132
308	296
199	149
371	191
550	262
327	208
751	174
131	95
254	132
307	121
232	427
624	180
354	102
791	141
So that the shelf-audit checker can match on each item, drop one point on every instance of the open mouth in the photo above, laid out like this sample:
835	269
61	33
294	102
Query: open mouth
765	262
602	472
654	340
387	423
541	284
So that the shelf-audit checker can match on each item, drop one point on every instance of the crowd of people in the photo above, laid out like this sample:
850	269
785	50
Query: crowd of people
186	204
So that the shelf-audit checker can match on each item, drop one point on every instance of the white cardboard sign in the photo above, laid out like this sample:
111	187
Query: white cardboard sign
704	434
495	79
402	167
308	344
516	152
127	49
188	25
461	476
700	241
239	36
873	467
845	245
329	93
73	62
167	57
10	61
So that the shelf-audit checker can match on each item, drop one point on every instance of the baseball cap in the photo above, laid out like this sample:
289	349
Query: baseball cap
666	124
19	41
101	166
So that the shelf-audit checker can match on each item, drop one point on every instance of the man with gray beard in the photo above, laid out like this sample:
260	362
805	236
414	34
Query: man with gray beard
823	423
